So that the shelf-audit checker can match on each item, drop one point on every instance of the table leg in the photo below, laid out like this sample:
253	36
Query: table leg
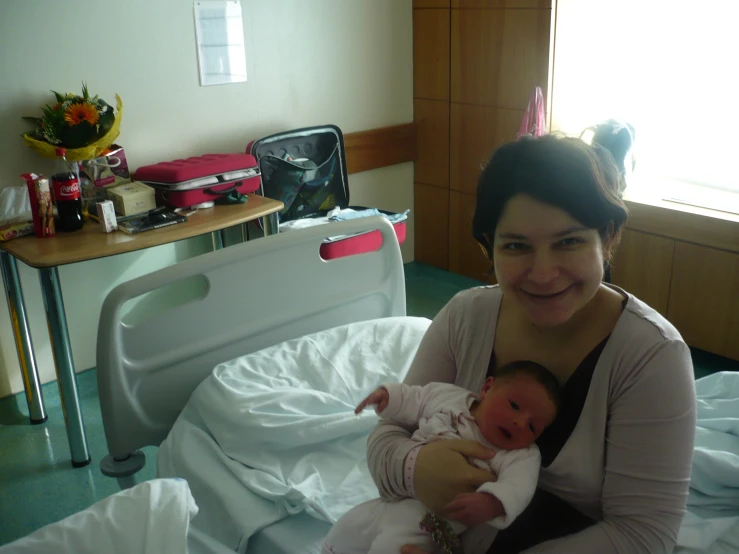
217	239
62	349
23	343
271	224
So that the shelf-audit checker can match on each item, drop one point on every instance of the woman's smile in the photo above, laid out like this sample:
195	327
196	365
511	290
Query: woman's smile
547	296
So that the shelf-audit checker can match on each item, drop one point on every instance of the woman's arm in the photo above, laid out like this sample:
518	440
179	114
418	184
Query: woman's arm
389	444
649	449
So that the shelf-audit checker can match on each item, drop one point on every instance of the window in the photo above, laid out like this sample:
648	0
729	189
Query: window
669	69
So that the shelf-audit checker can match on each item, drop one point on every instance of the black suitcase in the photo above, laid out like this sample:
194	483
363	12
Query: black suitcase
306	170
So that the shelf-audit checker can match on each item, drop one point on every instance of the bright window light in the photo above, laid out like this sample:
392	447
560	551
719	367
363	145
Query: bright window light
667	67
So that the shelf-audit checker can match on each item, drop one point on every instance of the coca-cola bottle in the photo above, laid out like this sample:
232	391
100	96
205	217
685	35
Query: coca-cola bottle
67	194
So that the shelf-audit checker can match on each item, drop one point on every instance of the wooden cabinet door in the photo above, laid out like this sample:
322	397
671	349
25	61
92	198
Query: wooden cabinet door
499	56
704	298
431	208
431	3
432	142
431	51
643	266
475	132
465	255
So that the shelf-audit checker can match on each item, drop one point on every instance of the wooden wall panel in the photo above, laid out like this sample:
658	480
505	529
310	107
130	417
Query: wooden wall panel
498	56
509	4
431	52
431	3
465	255
643	266
432	139
431	209
704	298
475	132
687	223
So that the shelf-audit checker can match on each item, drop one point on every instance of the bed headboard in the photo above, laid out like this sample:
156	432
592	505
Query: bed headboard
257	294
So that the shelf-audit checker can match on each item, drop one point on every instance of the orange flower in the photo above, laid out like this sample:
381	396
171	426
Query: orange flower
77	113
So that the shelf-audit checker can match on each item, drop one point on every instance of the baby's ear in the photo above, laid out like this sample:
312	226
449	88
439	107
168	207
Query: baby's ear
487	385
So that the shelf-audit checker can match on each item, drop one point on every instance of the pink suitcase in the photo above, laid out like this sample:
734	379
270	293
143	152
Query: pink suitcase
191	181
306	170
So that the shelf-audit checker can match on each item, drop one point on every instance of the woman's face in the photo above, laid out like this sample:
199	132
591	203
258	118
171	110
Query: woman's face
547	262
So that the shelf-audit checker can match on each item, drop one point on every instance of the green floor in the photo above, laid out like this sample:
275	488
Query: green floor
38	485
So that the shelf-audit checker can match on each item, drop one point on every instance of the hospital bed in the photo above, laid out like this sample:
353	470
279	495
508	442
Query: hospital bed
253	295
261	305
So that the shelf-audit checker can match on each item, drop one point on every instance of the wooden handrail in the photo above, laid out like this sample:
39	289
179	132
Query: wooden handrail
380	147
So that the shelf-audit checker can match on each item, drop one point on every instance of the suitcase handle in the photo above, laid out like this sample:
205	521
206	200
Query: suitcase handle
225	191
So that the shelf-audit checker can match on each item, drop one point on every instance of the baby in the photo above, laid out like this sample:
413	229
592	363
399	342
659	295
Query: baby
511	411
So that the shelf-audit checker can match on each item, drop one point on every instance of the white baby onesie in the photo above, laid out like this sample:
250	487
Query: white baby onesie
437	411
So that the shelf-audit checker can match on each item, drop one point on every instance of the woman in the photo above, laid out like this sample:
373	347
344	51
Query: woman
616	462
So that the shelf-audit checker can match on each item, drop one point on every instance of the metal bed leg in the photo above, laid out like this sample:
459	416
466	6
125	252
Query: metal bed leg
271	224
123	468
23	343
57	321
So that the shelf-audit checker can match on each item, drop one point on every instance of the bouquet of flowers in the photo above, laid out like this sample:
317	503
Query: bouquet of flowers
85	125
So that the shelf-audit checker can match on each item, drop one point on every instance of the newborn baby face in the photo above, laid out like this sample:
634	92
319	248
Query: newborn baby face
514	411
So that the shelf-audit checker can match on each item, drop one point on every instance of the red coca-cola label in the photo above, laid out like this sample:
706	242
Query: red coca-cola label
66	189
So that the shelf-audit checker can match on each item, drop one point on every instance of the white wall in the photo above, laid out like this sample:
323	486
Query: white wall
347	62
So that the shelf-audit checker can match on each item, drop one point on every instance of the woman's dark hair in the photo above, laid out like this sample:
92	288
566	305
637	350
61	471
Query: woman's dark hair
564	172
535	371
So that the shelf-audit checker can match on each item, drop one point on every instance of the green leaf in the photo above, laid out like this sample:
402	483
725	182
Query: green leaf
59	97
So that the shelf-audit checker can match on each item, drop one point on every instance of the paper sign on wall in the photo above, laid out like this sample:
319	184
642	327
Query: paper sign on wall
219	30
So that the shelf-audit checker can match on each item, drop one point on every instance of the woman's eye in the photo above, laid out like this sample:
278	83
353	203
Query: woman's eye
515	246
570	241
513	405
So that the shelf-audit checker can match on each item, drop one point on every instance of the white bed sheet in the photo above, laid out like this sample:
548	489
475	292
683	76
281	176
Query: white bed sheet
712	523
299	534
282	505
151	518
273	434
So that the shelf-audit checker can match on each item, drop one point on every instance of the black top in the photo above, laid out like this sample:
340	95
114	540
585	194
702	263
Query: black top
548	517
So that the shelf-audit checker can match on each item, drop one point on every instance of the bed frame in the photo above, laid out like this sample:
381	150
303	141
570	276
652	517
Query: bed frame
255	294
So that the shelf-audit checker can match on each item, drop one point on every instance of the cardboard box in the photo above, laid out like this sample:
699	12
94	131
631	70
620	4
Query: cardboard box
15	230
132	198
106	216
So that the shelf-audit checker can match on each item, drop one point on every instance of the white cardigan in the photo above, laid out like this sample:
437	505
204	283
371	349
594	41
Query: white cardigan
626	463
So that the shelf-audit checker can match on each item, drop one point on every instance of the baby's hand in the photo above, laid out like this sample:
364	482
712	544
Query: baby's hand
378	398
473	508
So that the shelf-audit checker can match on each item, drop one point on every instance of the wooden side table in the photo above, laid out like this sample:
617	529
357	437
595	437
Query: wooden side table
90	243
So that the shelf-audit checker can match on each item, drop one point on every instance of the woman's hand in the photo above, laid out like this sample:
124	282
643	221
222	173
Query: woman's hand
378	398
442	472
